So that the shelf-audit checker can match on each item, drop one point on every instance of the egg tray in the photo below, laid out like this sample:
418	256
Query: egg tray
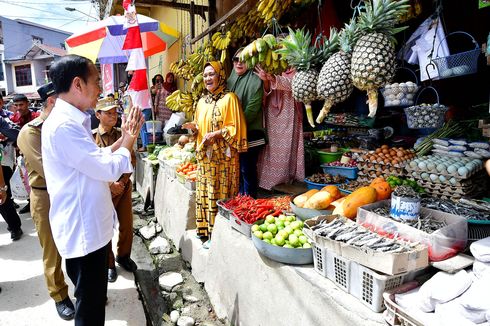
374	173
455	195
475	179
384	169
447	174
449	189
399	165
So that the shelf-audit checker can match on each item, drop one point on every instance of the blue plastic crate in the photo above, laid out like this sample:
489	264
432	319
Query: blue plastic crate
314	185
350	173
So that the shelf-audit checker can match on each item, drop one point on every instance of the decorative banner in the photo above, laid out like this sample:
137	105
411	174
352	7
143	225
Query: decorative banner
107	78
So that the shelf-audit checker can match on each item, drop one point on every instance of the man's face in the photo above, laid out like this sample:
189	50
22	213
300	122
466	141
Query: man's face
107	118
240	67
22	107
91	89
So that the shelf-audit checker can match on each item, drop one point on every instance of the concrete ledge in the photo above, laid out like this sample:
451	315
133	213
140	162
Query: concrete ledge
175	207
193	253
144	177
240	283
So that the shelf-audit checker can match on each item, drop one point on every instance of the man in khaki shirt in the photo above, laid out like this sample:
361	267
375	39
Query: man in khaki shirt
29	143
105	135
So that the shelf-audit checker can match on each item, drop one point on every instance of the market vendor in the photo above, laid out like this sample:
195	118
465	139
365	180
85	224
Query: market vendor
221	131
161	90
105	135
248	87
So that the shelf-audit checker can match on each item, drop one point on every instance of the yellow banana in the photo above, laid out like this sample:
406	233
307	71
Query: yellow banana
268	58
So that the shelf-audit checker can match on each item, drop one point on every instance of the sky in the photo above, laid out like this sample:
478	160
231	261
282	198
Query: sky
51	13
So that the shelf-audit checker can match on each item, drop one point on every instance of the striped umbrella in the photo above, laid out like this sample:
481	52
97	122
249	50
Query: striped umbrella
104	40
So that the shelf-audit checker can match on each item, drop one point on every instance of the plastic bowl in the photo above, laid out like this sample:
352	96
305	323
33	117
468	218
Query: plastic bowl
307	213
348	172
327	156
292	256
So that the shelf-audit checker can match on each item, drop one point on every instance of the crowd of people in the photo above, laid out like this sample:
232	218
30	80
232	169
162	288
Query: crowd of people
79	157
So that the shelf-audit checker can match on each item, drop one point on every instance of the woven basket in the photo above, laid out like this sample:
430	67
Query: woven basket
458	64
401	94
425	115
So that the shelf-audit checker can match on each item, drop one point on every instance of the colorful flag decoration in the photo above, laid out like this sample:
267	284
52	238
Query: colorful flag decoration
138	87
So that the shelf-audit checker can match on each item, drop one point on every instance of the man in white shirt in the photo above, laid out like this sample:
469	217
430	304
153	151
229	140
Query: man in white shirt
78	174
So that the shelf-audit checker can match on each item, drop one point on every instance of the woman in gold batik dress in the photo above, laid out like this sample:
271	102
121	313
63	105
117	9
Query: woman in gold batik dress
221	134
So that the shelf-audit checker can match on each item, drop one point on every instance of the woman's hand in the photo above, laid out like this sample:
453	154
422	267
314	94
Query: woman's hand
265	76
211	137
191	126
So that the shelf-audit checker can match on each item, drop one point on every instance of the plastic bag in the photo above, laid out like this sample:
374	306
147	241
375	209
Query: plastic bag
8	154
19	183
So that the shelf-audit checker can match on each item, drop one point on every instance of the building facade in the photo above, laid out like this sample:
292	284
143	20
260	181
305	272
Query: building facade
26	52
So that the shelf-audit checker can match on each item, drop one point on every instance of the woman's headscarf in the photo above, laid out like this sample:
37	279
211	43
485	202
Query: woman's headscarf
220	70
169	87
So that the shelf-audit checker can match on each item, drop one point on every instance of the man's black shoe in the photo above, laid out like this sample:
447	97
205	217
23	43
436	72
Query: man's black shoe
112	275
16	235
127	263
65	309
25	209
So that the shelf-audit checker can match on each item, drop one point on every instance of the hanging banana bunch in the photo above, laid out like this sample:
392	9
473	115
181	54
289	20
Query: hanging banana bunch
221	41
180	102
269	9
262	51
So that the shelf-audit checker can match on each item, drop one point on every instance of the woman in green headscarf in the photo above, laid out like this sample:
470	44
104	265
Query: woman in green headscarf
221	134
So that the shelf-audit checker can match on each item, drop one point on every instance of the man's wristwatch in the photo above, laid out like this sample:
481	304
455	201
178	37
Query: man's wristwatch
4	188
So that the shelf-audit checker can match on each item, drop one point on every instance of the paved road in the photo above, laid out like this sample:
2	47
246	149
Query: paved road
24	299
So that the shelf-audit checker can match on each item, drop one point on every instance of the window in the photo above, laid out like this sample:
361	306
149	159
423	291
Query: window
1	68
37	39
23	75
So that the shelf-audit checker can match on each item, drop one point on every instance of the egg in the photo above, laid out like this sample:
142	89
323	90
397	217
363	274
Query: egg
433	177
452	169
431	166
413	164
415	174
422	166
424	175
441	168
453	181
442	178
463	171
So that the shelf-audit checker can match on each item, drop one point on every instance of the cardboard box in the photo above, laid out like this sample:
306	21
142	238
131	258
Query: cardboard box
321	241
442	244
387	263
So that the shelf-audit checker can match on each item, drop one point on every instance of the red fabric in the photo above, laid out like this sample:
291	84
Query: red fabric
133	39
22	120
329	18
126	4
139	82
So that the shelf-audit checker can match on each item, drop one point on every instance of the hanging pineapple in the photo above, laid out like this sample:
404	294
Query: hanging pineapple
334	82
306	59
373	58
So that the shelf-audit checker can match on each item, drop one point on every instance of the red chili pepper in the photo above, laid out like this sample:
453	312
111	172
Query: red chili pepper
276	213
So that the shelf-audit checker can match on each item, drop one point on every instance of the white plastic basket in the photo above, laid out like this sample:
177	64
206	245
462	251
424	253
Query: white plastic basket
319	259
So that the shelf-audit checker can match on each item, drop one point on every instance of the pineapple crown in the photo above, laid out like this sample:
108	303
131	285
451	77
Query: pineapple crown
349	35
328	46
296	48
381	16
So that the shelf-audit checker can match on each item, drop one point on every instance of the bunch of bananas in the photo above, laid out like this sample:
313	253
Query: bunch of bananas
180	102
247	25
182	69
221	41
262	51
197	86
269	9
